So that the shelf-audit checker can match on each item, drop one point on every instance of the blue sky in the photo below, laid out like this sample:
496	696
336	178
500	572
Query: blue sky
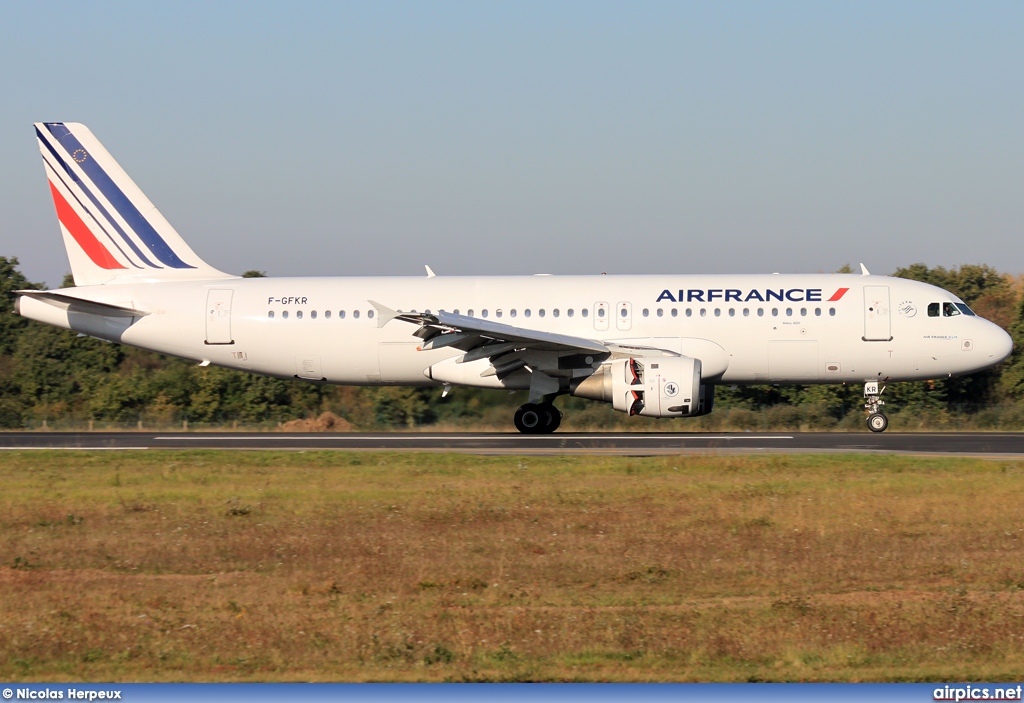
566	137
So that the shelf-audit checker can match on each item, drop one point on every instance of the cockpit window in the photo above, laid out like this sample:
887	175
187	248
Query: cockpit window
949	310
965	310
933	309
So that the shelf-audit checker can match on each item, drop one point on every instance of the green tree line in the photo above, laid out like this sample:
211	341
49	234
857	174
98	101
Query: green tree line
53	375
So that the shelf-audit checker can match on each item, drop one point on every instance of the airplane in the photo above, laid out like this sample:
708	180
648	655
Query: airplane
651	345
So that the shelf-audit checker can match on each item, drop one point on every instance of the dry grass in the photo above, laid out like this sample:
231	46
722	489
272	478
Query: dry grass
376	566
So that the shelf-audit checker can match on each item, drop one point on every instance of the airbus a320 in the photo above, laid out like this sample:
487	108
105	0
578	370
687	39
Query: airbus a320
651	345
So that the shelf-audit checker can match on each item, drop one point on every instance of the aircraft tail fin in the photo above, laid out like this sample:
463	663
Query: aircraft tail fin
112	232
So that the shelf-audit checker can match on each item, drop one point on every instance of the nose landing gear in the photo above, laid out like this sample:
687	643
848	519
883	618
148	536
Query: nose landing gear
877	421
537	418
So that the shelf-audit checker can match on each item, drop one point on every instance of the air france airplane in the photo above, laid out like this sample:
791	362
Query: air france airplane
653	345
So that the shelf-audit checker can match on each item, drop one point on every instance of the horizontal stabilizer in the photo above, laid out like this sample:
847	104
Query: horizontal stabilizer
74	304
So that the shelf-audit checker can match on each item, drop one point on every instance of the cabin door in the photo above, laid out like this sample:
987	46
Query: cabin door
218	316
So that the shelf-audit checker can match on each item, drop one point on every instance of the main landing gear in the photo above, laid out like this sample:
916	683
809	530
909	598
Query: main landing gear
877	421
537	418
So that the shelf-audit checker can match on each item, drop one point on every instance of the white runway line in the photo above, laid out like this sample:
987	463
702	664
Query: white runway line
406	438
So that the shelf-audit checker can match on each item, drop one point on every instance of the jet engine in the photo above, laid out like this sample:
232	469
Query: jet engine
651	386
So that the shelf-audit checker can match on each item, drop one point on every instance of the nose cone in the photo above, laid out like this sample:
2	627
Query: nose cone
998	344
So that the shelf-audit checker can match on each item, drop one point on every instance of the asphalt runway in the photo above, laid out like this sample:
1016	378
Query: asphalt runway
995	444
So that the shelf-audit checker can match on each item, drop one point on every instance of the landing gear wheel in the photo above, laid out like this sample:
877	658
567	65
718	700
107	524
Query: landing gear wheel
552	416
537	418
530	418
877	422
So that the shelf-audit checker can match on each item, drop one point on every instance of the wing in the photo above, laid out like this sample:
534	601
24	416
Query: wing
446	329
509	348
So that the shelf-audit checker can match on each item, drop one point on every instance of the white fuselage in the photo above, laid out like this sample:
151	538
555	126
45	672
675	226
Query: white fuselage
325	329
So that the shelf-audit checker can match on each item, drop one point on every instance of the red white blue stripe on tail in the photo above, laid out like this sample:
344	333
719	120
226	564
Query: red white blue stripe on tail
111	229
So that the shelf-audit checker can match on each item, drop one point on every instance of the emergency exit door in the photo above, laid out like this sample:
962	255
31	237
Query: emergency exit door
877	320
623	316
601	316
218	316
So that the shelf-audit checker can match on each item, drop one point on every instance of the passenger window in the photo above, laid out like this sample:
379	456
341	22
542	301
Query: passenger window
355	314
689	312
746	312
584	312
703	312
803	312
570	312
271	314
470	312
949	310
526	312
732	312
554	312
341	314
675	313
661	313
623	312
497	313
933	309
600	312
327	314
789	312
775	312
760	312
718	312
646	312
832	312
512	312
369	314
312	314
284	314
299	314
483	313
817	312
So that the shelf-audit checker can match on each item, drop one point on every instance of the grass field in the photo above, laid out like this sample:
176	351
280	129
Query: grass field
146	566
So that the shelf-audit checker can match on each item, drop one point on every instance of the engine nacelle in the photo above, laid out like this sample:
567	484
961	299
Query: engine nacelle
662	386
